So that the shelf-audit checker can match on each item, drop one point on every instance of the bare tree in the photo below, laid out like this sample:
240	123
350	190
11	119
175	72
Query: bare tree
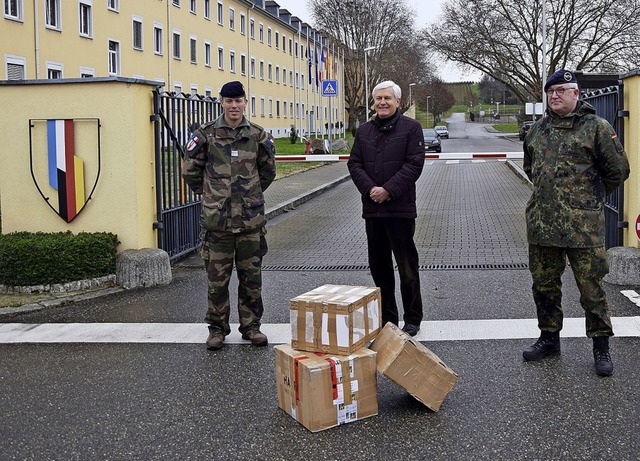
503	38
385	25
434	97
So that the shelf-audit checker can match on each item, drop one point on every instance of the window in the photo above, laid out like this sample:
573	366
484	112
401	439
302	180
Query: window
232	19
277	40
16	68
252	67
252	29
176	45
270	107
114	57
277	74
137	33
192	6
261	33
262	107
270	72
243	24
278	108
158	41
253	106
290	47
176	3
290	78
13	9
232	61
54	70
261	69
85	18
207	54
243	64
269	36
220	58
193	50
87	72
284	76
113	5
52	13
220	14
207	9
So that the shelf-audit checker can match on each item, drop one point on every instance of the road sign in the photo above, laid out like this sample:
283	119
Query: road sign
329	88
638	227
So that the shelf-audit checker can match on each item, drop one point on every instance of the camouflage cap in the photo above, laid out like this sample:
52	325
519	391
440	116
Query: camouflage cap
232	90
560	76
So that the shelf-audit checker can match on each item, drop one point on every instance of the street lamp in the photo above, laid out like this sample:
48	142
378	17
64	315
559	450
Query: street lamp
410	85
428	97
366	83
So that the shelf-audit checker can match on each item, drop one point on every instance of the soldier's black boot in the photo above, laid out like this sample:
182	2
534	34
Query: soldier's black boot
601	356
547	344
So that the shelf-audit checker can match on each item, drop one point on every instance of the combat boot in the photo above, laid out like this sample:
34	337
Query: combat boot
601	356
215	340
256	337
548	344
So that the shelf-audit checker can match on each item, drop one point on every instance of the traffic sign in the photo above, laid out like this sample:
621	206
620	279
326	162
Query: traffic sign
329	88
638	227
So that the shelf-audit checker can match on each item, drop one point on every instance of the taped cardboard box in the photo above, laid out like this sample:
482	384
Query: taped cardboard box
322	391
336	319
412	366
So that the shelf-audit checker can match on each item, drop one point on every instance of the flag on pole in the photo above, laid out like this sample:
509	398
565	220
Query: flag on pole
316	59
323	62
310	62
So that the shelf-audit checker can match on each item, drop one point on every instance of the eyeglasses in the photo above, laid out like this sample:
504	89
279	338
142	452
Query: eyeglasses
560	91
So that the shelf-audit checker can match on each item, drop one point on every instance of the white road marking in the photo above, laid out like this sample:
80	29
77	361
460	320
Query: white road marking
632	295
194	333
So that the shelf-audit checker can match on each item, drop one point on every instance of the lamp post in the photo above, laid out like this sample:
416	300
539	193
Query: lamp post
410	100
366	83
428	97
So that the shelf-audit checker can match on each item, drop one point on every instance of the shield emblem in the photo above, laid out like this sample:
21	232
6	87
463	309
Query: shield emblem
65	162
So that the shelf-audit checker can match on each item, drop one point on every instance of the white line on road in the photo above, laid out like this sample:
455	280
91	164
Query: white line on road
193	333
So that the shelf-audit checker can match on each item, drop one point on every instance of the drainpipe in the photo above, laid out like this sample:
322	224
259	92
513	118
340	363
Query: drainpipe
169	85
36	37
248	113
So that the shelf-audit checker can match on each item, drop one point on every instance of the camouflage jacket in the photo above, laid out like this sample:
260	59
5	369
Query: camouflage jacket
231	168
574	162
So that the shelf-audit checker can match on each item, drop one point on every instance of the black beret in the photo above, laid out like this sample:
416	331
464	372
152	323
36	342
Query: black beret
560	76
232	90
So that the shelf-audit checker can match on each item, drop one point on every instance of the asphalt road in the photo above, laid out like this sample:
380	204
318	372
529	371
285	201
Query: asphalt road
127	397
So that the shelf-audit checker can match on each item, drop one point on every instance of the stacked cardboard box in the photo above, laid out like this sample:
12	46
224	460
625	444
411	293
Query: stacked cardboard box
327	376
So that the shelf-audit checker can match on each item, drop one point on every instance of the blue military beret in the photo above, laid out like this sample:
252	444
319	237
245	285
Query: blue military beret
232	90
560	76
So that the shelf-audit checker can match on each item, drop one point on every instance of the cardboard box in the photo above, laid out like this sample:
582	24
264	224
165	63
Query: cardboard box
322	391
336	319
412	366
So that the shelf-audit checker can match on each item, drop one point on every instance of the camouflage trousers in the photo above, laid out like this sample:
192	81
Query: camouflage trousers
589	266
219	250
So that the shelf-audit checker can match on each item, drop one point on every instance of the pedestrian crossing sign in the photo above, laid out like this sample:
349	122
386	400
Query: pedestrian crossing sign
329	88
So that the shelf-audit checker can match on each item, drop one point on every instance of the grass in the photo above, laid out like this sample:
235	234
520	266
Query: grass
506	127
284	147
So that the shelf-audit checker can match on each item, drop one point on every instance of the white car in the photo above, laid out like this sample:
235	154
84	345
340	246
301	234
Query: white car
443	131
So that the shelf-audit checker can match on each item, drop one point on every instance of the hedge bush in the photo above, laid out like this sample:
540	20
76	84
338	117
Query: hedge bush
40	258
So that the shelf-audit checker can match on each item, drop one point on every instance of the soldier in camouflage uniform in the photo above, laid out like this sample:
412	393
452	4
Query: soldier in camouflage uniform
574	160
231	162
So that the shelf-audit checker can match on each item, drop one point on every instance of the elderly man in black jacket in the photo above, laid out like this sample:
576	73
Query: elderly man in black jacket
385	162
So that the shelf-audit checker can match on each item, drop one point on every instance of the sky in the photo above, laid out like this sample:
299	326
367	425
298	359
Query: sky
426	11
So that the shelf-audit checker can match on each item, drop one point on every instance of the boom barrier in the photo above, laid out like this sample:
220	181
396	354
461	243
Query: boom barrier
427	155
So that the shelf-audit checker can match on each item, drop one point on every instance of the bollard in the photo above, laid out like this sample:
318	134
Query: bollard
146	267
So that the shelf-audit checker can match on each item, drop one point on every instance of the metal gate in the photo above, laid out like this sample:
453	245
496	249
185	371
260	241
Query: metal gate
175	116
609	105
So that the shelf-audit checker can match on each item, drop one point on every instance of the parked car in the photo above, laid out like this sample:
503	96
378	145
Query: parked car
523	130
431	140
442	130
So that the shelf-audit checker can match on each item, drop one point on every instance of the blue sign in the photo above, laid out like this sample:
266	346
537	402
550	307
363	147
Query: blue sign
329	88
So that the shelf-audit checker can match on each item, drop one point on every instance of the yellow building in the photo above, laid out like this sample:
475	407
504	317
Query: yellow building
189	46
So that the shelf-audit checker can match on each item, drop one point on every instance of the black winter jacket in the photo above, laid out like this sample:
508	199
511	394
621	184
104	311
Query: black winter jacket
388	153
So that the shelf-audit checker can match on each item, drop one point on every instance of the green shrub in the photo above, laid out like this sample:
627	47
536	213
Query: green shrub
40	258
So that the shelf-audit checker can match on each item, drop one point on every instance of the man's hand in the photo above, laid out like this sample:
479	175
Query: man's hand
378	194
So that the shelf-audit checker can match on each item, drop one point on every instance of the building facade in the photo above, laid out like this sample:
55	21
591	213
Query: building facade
186	46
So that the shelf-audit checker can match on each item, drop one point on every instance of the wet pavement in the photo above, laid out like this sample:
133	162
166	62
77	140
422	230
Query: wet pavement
144	386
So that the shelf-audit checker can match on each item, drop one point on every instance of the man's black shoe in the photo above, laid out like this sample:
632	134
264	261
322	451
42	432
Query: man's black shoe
601	356
411	329
548	344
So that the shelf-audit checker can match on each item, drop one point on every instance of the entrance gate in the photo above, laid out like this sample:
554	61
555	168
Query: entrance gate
609	105
176	115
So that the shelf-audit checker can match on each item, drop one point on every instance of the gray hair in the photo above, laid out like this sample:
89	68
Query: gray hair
388	84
